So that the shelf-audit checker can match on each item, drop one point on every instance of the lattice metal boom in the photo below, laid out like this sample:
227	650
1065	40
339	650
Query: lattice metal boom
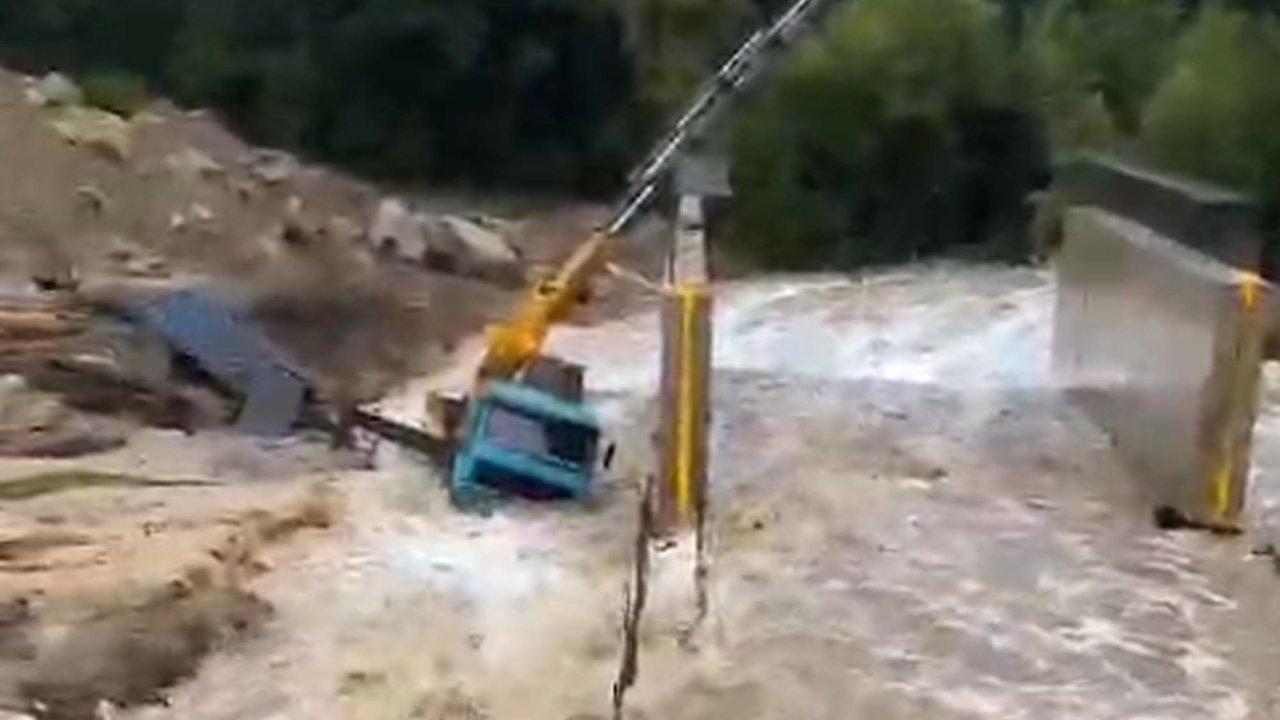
735	74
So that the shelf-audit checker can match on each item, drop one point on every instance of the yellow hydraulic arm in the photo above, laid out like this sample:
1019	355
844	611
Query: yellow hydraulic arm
518	342
515	344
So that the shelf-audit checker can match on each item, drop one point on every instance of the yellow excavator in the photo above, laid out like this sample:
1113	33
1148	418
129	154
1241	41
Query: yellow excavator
524	427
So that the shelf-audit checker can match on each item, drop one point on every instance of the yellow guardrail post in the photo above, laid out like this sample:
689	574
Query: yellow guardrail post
684	392
691	420
1235	431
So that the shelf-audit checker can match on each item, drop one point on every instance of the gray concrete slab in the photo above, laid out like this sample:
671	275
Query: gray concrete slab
1162	345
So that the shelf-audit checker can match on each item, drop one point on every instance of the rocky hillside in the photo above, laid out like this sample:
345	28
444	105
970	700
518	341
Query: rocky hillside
363	288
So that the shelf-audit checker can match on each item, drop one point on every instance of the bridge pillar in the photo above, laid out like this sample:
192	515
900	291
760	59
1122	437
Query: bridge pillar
1162	345
684	388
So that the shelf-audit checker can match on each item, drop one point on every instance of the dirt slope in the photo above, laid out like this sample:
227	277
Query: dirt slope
192	202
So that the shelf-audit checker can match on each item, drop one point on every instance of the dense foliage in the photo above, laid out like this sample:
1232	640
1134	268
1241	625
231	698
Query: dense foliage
914	127
535	92
898	134
904	127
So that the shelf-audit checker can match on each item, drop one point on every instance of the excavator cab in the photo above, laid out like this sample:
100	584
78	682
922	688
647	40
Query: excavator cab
532	437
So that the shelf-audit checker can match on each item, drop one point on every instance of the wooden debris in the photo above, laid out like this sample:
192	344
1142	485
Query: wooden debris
25	324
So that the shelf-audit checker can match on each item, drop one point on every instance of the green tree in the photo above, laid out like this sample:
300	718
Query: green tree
1214	114
536	92
879	140
676	43
1096	62
118	91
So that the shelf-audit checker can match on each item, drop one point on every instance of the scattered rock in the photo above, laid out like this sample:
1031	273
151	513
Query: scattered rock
295	231
1167	517
54	274
398	232
15	611
1268	551
244	191
485	243
147	267
32	544
449	243
318	508
474	250
936	473
1039	503
102	132
12	390
355	680
182	220
295	234
346	231
270	167
200	577
148	117
105	711
433	258
753	519
121	250
57	90
455	704
93	198
201	213
72	443
192	163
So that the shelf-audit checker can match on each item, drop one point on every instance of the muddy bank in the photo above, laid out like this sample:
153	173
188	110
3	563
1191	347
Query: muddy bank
109	609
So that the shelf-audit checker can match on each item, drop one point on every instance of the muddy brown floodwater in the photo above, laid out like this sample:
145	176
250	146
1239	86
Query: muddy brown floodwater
908	523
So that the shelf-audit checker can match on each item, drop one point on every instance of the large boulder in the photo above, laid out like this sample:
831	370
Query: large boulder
24	409
192	164
270	167
474	250
398	232
346	231
102	132
58	90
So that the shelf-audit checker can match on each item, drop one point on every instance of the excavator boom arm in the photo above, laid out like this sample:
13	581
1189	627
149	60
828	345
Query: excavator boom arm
517	342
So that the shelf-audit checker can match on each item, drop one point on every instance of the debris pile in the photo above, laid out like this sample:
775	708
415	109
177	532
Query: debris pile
476	247
57	359
172	264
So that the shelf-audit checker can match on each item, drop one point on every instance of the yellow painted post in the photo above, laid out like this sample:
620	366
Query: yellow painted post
1235	439
684	393
684	398
691	419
